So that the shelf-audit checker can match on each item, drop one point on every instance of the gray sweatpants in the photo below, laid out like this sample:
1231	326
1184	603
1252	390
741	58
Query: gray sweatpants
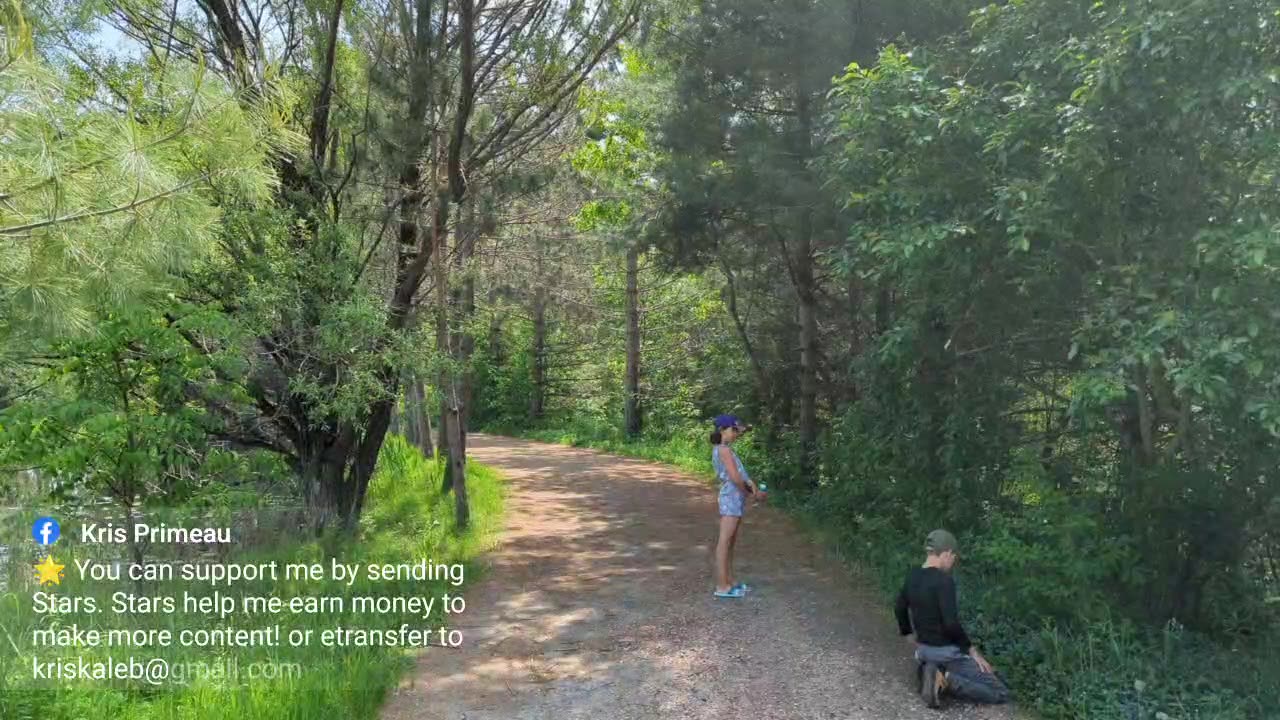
964	678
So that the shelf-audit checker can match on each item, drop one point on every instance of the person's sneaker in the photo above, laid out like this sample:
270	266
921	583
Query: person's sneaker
931	683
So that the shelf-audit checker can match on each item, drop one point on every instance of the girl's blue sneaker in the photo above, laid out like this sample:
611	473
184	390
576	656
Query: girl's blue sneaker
743	587
733	592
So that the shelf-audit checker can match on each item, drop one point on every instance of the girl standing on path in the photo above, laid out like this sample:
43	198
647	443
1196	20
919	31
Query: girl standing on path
735	485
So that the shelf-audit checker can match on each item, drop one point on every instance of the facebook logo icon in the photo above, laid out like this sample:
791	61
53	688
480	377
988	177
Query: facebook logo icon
45	531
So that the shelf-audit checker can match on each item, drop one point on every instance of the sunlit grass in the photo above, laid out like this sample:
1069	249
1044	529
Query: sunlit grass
688	449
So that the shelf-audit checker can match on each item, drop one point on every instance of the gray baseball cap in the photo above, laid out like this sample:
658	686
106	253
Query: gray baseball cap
940	541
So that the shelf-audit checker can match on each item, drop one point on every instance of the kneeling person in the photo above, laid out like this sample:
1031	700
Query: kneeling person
926	608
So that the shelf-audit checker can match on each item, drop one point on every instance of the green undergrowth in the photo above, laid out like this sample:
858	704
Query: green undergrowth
686	451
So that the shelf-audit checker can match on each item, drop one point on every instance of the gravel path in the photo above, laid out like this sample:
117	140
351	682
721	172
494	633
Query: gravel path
598	605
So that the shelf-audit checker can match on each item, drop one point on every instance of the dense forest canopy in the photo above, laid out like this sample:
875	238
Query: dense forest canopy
1009	268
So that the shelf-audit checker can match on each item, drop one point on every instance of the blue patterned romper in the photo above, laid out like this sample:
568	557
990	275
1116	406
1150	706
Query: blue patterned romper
732	500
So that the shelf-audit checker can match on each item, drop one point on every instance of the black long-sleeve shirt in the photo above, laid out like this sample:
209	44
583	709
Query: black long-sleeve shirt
927	602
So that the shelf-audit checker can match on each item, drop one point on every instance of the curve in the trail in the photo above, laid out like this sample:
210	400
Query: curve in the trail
598	605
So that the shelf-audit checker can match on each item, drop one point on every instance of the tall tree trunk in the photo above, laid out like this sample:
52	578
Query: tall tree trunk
807	296
461	346
324	455
461	343
442	433
403	420
495	329
854	299
538	397
468	347
632	418
808	316
783	377
224	19
458	471
324	96
366	452
443	347
417	424
453	421
427	448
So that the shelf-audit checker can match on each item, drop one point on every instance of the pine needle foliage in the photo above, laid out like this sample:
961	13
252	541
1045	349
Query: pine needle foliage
100	205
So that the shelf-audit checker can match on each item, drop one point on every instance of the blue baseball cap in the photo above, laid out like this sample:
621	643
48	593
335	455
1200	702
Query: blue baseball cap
727	421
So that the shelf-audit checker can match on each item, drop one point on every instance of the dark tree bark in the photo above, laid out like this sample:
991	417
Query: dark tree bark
495	349
783	376
443	336
458	471
808	316
537	397
458	387
632	419
417	424
854	298
807	296
453	422
463	303
442	436
225	21
320	109
427	448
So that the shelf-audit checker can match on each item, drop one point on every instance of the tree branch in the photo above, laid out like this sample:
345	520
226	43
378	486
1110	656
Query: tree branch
15	230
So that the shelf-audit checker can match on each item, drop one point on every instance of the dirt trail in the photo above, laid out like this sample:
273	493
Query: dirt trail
598	605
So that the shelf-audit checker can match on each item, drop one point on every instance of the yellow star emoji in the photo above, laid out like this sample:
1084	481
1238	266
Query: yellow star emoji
49	572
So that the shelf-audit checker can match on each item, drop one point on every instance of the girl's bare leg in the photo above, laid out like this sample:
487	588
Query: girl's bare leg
733	544
728	528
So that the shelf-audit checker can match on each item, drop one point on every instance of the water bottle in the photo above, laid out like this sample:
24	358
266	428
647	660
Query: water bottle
755	498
